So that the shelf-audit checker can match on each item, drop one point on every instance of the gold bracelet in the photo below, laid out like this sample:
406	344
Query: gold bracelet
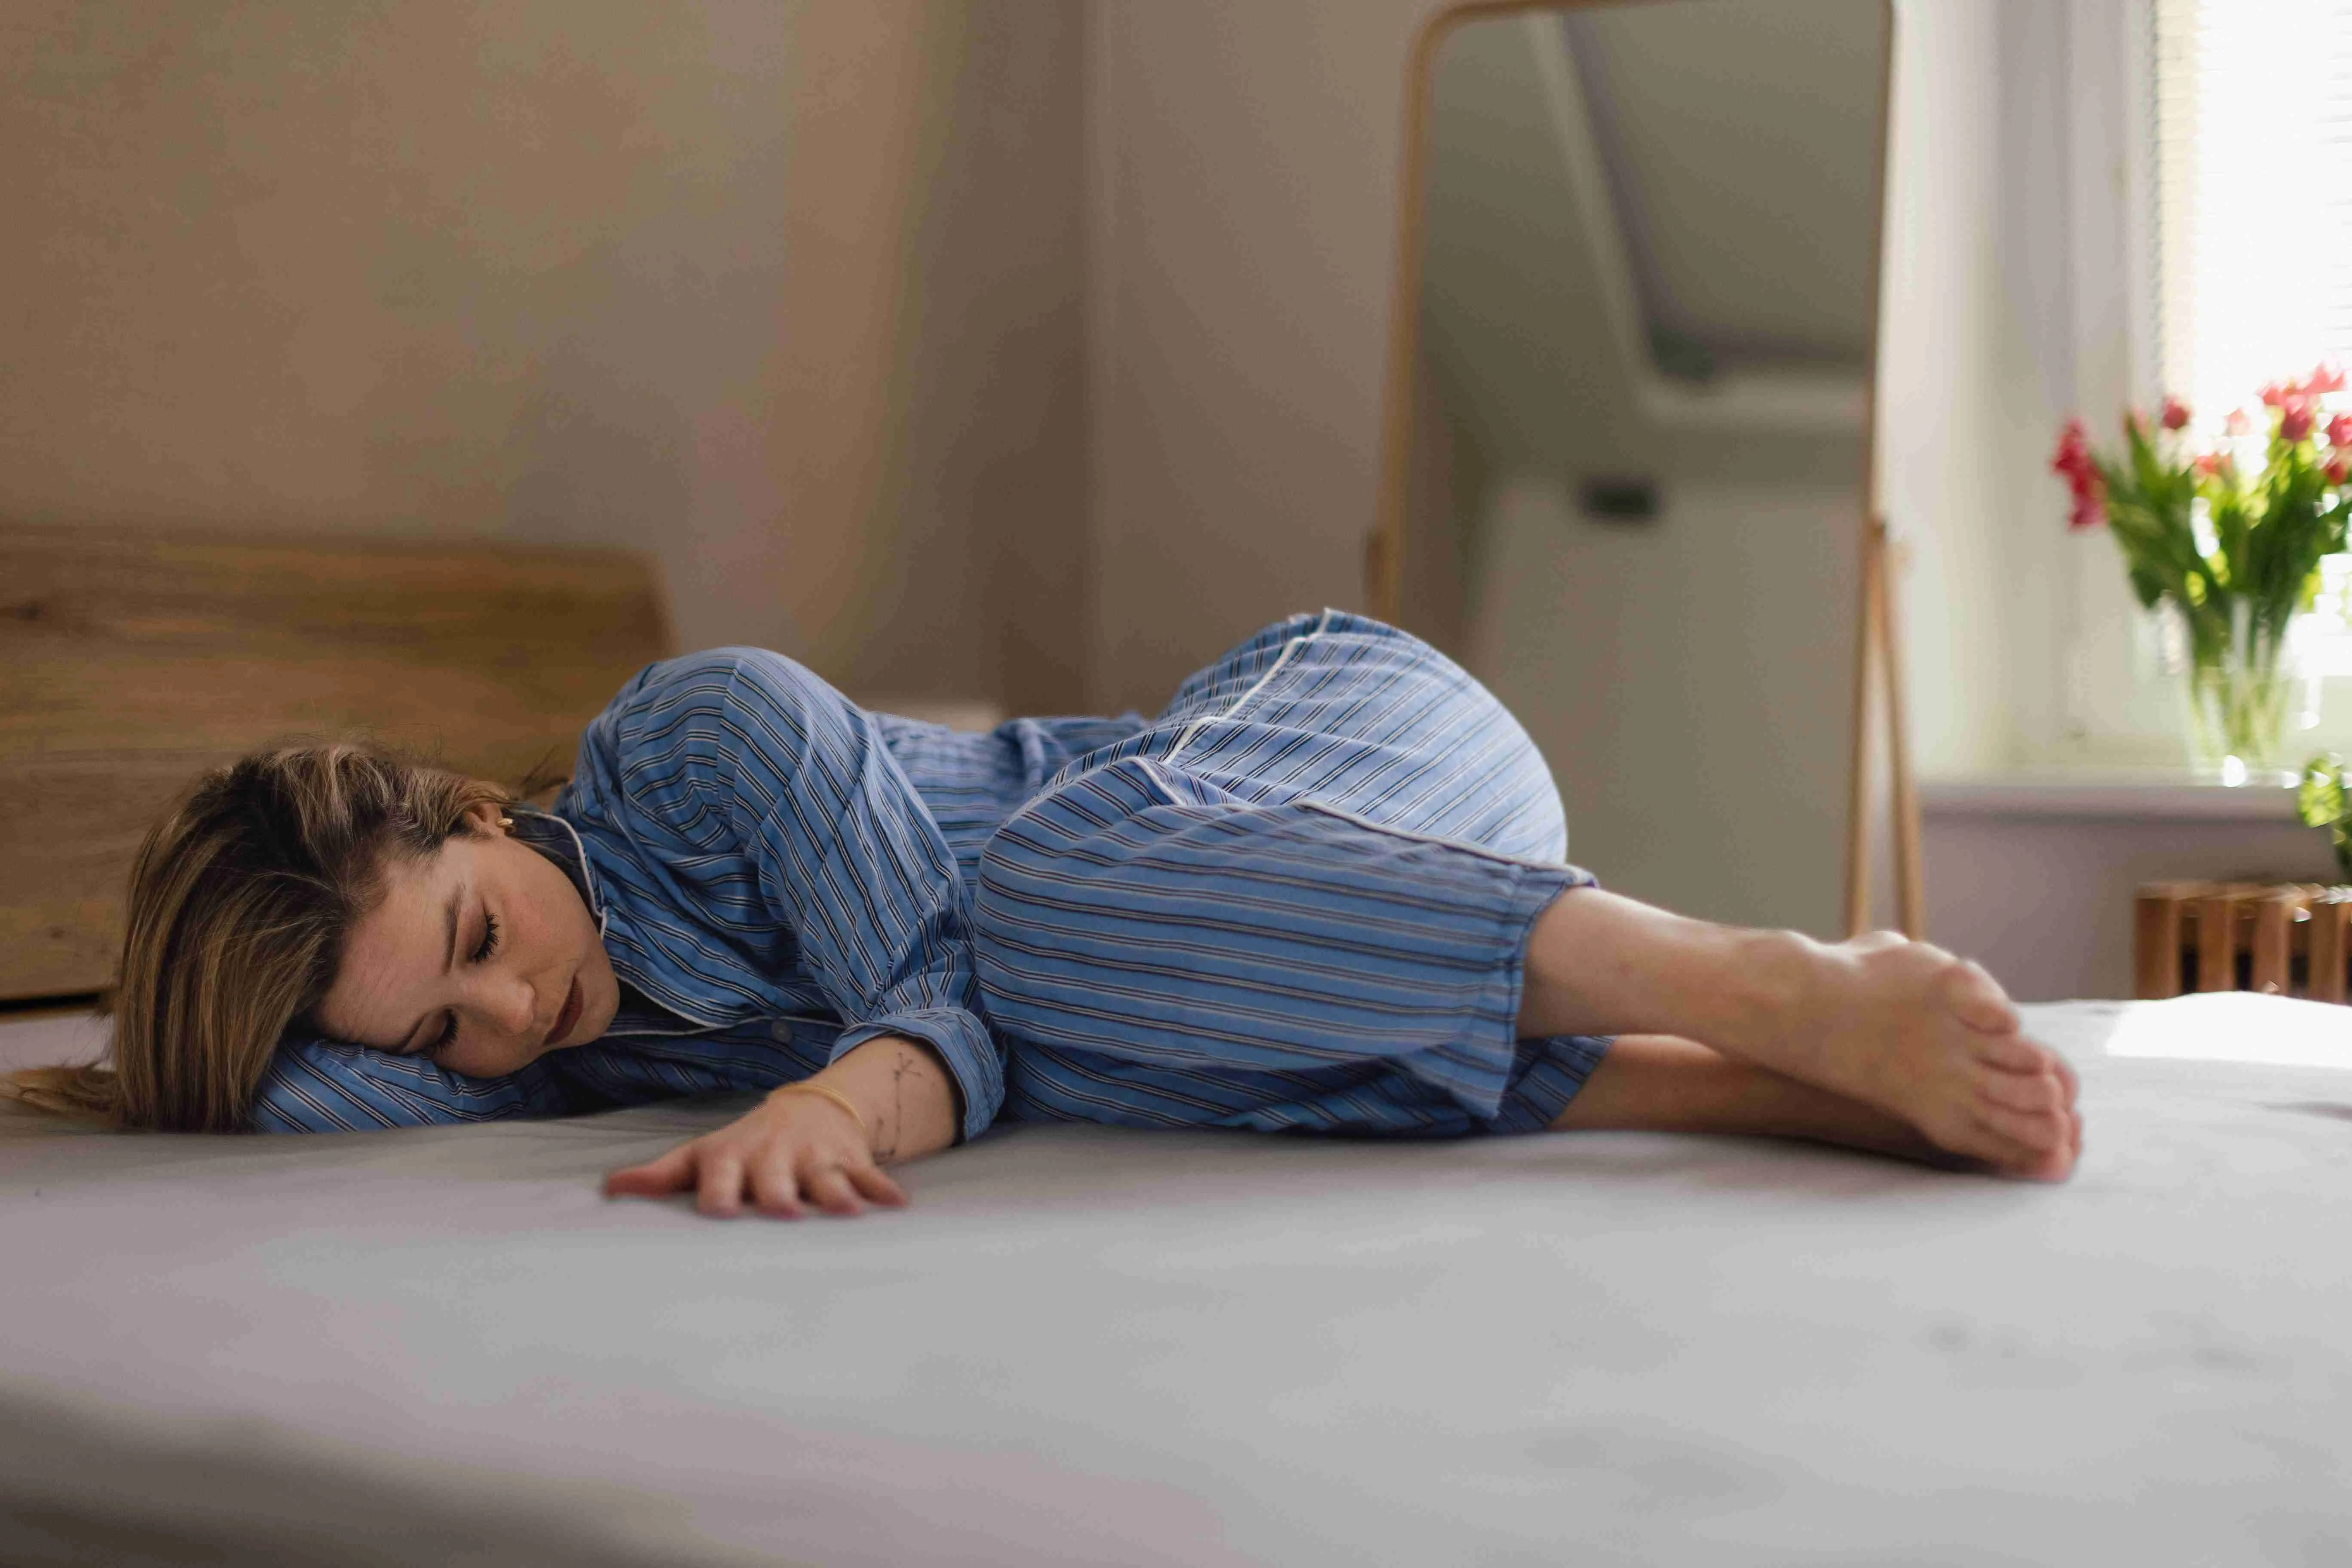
833	1094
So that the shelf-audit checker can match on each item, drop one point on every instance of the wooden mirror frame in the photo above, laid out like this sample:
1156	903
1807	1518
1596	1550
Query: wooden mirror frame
1876	646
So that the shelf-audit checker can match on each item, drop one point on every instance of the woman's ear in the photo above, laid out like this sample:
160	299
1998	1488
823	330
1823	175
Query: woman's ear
488	817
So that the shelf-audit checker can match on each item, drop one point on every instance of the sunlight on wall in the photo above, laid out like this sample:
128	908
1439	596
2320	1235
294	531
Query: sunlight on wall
787	294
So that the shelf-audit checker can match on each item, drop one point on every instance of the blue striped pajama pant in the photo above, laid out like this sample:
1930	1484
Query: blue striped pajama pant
1298	900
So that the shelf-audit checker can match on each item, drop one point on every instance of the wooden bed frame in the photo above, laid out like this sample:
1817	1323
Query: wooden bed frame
130	659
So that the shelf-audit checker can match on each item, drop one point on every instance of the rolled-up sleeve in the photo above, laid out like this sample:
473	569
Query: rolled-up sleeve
846	853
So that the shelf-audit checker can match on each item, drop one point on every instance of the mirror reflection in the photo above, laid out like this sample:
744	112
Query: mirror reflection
1635	485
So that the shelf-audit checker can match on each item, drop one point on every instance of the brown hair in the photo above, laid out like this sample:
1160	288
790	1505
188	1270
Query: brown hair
240	902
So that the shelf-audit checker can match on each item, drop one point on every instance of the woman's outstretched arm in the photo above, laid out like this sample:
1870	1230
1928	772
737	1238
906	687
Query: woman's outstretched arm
797	1151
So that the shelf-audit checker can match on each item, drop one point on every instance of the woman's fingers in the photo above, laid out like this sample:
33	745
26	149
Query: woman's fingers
829	1186
877	1185
674	1172
774	1186
782	1171
719	1191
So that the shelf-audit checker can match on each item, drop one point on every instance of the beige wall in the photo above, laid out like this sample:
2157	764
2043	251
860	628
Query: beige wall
790	294
1024	352
1243	214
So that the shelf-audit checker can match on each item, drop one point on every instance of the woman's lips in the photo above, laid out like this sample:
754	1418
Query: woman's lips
565	1019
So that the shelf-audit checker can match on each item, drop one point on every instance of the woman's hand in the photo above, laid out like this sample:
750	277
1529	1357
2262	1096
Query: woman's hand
799	1150
794	1151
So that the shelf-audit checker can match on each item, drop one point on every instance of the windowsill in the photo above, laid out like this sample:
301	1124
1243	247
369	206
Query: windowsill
2151	796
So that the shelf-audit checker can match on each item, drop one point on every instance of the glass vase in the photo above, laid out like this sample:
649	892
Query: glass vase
2240	699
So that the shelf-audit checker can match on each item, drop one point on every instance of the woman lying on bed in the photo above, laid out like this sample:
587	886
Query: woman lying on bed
1323	891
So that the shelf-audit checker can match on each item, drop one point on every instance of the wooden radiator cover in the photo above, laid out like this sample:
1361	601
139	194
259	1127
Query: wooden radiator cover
2288	939
130	659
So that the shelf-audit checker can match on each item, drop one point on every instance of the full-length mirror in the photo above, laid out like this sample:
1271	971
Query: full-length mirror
1630	449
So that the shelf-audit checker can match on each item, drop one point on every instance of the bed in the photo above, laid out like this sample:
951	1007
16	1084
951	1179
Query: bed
1082	1345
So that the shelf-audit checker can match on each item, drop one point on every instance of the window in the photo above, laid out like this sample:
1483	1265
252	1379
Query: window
2254	194
2166	198
2253	223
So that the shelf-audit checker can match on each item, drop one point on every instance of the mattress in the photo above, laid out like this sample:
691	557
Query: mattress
1087	1345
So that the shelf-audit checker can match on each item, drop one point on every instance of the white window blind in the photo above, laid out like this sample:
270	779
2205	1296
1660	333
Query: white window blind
2254	193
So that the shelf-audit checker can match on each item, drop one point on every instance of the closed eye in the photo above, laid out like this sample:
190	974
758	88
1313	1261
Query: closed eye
483	951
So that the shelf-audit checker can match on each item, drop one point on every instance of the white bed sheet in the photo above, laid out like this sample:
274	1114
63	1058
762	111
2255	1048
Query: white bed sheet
1087	1346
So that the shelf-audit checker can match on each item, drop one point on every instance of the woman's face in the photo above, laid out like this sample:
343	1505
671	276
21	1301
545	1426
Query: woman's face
482	956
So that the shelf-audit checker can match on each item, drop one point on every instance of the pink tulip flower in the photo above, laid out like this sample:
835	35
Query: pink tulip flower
2176	413
2072	458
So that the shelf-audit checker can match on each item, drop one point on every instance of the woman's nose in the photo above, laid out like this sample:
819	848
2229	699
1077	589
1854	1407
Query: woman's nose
509	1005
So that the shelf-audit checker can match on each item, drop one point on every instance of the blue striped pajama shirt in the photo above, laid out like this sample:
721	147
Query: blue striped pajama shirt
1295	899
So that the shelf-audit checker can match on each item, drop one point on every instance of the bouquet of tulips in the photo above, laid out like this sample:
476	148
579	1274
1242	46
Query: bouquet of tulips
2228	537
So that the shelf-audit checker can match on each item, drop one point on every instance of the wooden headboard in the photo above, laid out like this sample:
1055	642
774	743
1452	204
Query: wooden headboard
131	660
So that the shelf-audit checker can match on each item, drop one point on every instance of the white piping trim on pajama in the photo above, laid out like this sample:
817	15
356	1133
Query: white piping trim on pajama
1156	766
1293	646
1438	838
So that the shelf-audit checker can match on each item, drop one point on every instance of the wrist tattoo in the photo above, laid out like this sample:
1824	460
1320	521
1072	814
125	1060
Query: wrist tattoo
901	1065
